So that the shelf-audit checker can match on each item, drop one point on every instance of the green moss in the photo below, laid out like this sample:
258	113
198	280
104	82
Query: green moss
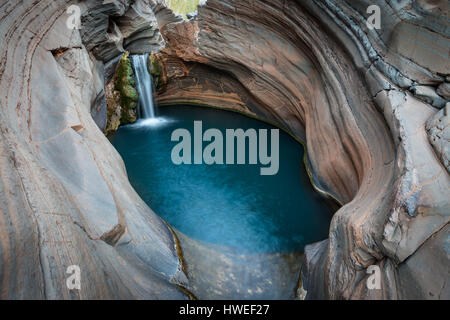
182	7
128	115
113	108
126	85
154	65
129	93
113	121
155	68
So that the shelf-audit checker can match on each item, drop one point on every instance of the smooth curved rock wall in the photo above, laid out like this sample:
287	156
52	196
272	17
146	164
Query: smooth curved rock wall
64	194
361	99
369	103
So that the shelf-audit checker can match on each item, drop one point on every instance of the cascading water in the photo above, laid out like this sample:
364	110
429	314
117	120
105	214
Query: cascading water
144	85
242	233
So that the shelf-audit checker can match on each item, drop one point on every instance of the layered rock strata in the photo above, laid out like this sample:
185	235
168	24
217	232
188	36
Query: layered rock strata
64	194
361	99
370	105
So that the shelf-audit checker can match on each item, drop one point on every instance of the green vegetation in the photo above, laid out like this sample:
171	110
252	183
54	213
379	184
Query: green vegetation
126	85
155	65
112	112
182	7
155	68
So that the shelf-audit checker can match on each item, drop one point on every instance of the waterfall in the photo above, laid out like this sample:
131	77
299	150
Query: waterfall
144	86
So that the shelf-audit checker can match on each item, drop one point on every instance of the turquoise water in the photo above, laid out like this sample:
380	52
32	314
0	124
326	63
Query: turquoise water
228	205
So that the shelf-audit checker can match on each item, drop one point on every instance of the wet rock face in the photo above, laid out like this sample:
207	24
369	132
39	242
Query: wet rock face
366	101
369	103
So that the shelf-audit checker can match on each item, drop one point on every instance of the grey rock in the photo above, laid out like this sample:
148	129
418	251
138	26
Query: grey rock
425	275
444	90
429	95
110	68
383	153
312	81
98	110
99	33
438	130
140	29
110	28
65	198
